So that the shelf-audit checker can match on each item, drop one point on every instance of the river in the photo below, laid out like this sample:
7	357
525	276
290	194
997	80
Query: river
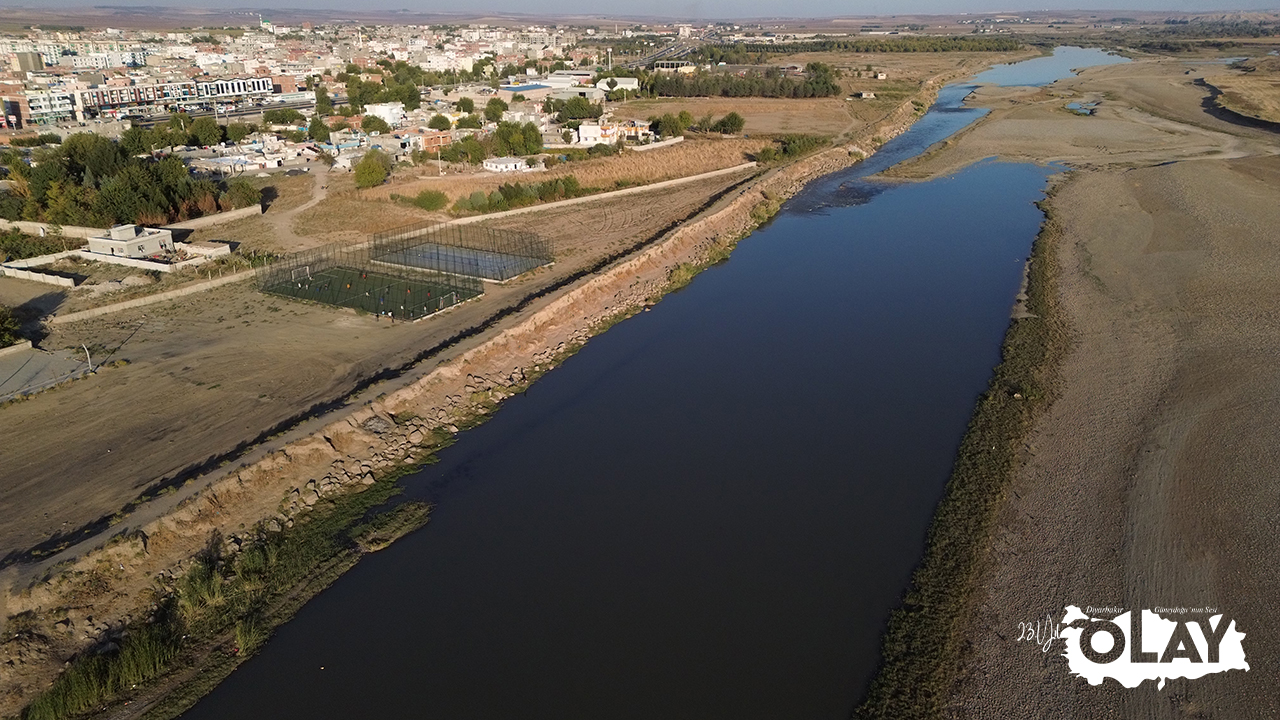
709	511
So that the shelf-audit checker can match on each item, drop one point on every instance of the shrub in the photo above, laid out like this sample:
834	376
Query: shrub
429	200
730	124
9	327
240	194
372	169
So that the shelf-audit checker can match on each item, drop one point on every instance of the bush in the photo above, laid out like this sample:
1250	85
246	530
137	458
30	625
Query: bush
601	150
9	327
240	194
429	200
373	123
373	169
15	245
730	124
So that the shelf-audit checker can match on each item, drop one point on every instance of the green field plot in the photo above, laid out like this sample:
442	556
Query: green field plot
401	297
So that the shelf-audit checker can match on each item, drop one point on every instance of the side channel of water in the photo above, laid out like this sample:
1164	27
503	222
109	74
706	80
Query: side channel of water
710	510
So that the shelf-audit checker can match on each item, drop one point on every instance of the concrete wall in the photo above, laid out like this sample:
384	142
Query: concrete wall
150	299
16	348
35	228
211	220
37	277
655	146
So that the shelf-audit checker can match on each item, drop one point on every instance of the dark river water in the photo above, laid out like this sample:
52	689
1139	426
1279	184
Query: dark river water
708	512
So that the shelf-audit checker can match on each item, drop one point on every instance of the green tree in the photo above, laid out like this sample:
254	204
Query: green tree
469	121
493	109
238	131
180	122
318	130
205	131
372	170
466	105
282	116
324	106
373	123
439	122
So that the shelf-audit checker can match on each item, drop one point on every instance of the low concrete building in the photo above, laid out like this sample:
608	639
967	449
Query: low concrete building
132	241
505	164
590	93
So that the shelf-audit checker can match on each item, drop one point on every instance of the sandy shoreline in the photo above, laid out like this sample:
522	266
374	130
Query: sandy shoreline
1146	480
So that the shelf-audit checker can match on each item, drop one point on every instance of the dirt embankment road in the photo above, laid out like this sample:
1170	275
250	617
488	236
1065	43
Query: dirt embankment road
1150	481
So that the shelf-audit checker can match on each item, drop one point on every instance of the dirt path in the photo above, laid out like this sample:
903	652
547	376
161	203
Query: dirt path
282	223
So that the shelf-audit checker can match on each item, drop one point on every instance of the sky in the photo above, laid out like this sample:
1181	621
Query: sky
708	9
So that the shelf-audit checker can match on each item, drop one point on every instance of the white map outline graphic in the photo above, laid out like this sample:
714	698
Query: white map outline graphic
1156	632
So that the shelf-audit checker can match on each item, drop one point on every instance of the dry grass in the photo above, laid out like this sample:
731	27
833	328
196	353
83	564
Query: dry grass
251	233
290	192
1254	94
350	216
692	157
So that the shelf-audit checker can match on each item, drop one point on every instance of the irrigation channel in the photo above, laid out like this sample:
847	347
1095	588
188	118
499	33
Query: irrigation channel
709	511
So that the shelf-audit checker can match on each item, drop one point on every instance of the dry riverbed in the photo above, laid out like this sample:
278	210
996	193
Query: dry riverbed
1149	479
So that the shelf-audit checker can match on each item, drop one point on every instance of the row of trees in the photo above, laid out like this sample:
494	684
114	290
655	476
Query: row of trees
820	81
745	53
90	180
514	195
670	125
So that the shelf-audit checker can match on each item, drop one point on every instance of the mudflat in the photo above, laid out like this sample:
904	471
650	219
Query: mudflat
1150	480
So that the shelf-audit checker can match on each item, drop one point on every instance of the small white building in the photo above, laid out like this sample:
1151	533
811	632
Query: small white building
132	241
391	113
504	164
629	84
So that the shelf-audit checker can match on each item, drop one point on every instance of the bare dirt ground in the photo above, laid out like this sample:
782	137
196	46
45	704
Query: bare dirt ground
1150	480
215	369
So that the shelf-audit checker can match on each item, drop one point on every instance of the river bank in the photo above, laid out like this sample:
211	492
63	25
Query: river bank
351	452
1092	473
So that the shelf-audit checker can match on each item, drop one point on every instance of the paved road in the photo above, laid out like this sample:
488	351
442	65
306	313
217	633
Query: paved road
34	369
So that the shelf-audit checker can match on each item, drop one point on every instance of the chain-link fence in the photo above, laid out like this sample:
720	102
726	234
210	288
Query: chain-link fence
350	277
464	250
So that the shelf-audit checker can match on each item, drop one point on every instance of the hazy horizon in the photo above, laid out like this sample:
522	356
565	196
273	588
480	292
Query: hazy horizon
732	9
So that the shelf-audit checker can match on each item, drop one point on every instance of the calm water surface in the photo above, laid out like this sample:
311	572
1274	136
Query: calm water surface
708	512
1044	70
